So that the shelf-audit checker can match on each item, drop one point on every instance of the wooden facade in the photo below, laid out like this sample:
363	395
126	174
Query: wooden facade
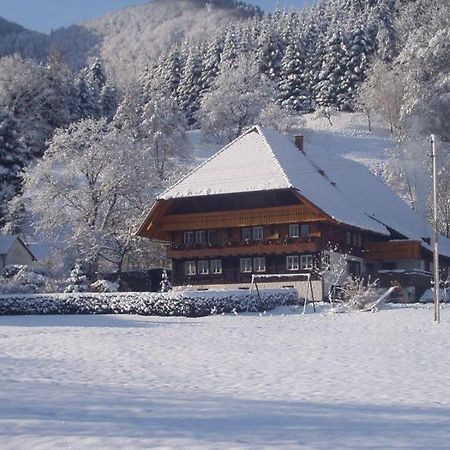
221	239
264	204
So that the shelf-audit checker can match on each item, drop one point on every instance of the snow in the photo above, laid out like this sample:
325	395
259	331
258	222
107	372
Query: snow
249	381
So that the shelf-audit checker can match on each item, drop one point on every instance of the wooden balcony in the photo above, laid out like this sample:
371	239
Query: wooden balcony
241	218
268	247
392	250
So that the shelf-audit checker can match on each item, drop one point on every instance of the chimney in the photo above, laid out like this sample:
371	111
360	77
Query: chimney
298	141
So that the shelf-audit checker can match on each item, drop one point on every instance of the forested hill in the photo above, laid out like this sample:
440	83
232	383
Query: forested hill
129	39
7	27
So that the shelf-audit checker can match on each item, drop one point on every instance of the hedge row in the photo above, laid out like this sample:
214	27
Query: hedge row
188	303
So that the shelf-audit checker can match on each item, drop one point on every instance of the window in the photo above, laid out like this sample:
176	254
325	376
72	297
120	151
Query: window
200	237
203	267
354	268
246	234
212	236
293	230
258	233
259	264
304	231
189	268
188	237
292	262
355	240
306	262
246	265
349	238
359	241
216	266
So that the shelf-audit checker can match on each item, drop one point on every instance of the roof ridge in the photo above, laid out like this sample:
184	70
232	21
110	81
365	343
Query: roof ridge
197	168
269	147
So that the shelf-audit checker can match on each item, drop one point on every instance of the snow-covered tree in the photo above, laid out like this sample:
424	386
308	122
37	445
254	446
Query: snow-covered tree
292	85
382	94
77	281
235	101
13	158
332	89
188	91
88	191
166	286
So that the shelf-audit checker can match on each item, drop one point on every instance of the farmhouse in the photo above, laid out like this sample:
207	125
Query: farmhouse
264	204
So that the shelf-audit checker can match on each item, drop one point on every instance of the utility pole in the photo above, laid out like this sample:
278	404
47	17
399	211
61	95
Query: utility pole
436	290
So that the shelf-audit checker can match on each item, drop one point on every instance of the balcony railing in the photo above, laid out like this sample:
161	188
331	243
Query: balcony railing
244	248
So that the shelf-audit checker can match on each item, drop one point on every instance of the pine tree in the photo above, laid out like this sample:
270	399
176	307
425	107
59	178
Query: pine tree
165	284
269	53
77	282
13	158
292	84
331	89
211	64
188	92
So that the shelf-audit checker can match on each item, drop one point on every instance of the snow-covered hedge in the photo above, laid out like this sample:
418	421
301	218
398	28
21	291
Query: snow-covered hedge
174	303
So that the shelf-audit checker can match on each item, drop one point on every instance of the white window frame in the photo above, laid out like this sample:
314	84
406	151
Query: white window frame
190	268
258	233
304	230
216	266
188	237
246	234
306	262
293	230
203	267
246	265
200	237
259	264
292	262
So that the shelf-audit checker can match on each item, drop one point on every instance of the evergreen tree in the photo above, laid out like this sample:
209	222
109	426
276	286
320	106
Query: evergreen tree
13	158
331	89
165	284
292	84
188	92
269	52
211	64
77	282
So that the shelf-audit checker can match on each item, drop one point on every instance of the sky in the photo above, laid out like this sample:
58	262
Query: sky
45	15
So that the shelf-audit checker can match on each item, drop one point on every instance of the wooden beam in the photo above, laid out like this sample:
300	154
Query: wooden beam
245	250
242	218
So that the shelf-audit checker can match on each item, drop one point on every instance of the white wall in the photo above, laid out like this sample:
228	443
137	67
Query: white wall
302	287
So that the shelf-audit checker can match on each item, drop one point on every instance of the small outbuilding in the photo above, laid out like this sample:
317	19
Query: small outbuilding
14	251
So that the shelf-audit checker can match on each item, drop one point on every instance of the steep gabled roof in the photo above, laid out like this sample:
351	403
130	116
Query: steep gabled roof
263	159
7	241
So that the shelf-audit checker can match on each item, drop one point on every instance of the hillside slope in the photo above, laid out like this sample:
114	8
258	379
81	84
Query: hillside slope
129	39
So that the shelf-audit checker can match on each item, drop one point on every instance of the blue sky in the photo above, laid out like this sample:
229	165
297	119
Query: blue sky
45	15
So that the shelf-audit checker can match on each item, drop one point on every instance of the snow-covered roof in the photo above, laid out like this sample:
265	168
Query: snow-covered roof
263	159
6	242
41	250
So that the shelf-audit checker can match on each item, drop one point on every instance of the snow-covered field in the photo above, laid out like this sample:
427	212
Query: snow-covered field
320	381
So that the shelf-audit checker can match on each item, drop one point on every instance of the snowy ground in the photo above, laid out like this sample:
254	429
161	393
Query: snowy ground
318	381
